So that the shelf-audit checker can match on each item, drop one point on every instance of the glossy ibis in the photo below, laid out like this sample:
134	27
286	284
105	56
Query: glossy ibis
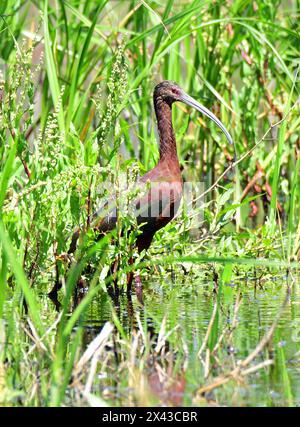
159	205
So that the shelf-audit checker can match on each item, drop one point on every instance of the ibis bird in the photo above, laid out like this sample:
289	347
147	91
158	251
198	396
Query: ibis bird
159	205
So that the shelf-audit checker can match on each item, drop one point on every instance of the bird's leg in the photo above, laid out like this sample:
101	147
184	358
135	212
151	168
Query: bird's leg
137	282
112	287
79	290
55	301
129	279
57	285
139	289
54	291
110	290
67	260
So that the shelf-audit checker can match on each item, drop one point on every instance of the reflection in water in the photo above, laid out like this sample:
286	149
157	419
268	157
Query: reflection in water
189	307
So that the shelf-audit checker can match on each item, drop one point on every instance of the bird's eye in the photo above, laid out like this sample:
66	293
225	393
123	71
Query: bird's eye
175	91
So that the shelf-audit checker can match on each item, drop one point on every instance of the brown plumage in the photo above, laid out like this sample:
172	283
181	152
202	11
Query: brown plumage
160	204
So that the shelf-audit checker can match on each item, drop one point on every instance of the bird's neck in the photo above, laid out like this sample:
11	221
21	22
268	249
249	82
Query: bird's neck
167	141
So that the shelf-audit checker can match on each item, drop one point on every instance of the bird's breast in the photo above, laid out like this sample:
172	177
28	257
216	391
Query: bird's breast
160	204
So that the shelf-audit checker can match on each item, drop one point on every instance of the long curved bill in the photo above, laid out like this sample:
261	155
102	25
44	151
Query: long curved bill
193	103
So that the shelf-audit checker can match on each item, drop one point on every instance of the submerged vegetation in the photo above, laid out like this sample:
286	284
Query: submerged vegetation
220	324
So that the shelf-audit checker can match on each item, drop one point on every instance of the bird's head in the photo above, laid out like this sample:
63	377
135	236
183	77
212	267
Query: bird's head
170	92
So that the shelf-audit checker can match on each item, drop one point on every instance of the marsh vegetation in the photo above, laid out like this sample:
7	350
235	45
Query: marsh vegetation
220	323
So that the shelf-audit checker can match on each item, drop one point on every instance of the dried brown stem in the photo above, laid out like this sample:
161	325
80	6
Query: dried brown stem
238	371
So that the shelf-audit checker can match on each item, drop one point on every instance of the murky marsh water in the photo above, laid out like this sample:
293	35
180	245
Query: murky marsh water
187	305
